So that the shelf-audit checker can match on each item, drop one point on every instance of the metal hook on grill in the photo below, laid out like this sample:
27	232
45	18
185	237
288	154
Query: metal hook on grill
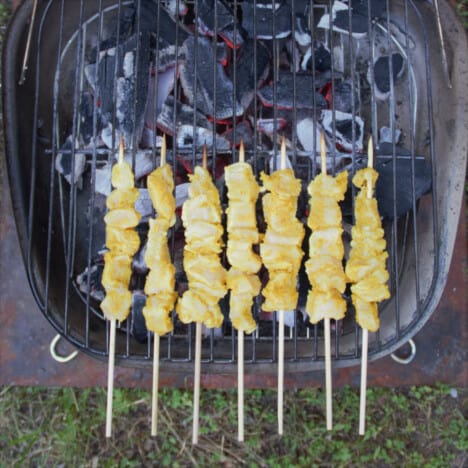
24	67
407	360
58	357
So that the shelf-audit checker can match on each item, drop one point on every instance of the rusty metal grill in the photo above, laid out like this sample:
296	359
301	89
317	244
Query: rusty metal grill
62	223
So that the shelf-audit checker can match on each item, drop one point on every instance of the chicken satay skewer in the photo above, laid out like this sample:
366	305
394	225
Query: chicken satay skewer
281	330
156	342
111	359
326	320
197	372
365	331
240	356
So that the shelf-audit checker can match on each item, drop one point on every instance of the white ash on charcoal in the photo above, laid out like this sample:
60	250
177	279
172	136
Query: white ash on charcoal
189	137
339	19
387	135
282	96
250	69
344	124
317	57
308	134
225	21
175	7
270	126
266	20
383	76
201	77
89	281
69	163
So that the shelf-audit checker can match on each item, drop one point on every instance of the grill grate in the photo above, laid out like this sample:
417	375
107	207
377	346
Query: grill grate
64	221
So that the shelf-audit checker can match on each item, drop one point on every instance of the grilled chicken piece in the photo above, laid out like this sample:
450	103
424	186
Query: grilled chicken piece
156	312
161	187
201	213
157	250
281	247
123	241
366	267
241	182
122	198
122	218
324	267
122	177
116	305
242	257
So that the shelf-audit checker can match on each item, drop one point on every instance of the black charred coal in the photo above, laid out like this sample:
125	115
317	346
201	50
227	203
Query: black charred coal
382	75
302	32
94	276
344	124
225	21
242	132
305	86
339	20
185	116
87	118
321	57
137	320
71	166
343	96
249	74
201	74
378	8
261	20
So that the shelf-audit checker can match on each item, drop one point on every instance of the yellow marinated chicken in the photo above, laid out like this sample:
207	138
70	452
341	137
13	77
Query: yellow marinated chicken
160	185
206	276
243	234
324	267
160	281
122	242
366	267
280	249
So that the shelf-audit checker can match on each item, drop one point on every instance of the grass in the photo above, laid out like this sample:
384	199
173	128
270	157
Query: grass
421	426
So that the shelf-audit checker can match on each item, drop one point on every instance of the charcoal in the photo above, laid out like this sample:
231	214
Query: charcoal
260	20
144	205
66	163
386	135
249	74
176	7
302	33
137	321
94	276
382	74
378	8
138	263
343	96
305	85
243	131
189	137
184	115
203	81
87	118
225	21
308	134
322	58
300	7
339	20
267	126
344	124
156	98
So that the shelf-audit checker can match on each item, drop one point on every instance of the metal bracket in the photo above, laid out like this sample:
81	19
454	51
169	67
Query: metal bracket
407	360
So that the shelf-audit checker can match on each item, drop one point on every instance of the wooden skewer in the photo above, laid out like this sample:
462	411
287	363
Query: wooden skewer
198	337
156	344
240	355
280	409
326	320
365	332
111	361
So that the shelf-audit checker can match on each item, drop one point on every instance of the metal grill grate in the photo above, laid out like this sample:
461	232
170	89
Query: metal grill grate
64	221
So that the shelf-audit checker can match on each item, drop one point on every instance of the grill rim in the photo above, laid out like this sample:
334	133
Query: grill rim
15	37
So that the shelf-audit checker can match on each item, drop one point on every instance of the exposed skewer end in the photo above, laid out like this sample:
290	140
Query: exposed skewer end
328	375
241	151
154	399
283	153
205	157
196	383
240	385
362	403
280	371
121	150
323	153
110	378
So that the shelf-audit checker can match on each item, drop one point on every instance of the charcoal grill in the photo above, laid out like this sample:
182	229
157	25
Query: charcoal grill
60	224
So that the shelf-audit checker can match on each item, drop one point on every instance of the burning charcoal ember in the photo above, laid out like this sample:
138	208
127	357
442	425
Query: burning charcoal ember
262	19
305	85
87	118
137	321
70	166
343	97
180	114
207	69
189	136
164	81
344	124
382	74
302	33
94	276
250	74
386	135
225	21
308	134
339	20
242	132
267	126
321	59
